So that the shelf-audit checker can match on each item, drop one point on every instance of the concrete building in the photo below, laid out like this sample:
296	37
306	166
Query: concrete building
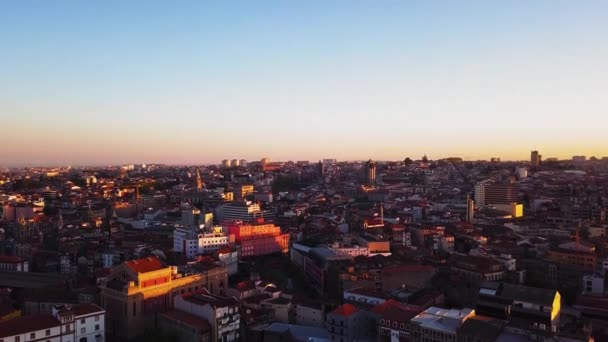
489	193
347	323
138	289
241	191
259	239
80	323
438	325
593	285
191	243
243	211
394	320
221	312
535	160
370	168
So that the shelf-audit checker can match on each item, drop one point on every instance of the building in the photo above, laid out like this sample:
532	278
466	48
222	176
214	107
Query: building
347	323
489	193
235	163
226	163
470	209
593	285
480	329
221	312
535	160
241	191
137	289
243	211
394	320
80	323
243	162
13	263
229	258
309	312
438	325
191	243
371	172
259	239
191	217
186	327
477	269
575	256
522	306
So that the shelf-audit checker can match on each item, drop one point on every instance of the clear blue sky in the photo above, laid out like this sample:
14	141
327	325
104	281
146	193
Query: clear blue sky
95	82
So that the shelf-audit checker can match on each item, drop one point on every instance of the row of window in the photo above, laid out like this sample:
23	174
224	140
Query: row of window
394	325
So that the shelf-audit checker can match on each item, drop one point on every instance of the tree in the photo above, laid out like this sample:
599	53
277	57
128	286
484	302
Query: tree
407	161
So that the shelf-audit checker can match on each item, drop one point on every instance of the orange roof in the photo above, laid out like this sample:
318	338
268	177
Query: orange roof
144	265
345	310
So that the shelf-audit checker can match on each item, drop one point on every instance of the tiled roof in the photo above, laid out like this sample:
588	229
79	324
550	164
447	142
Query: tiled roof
345	310
21	325
188	319
395	311
144	265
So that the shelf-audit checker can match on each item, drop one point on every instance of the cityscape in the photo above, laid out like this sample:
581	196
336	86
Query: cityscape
314	171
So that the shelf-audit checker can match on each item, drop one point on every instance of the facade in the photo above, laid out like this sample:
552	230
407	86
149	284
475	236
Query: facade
371	172
347	323
478	269
221	312
393	319
438	325
574	256
80	323
535	160
259	239
229	258
191	243
13	263
138	289
242	190
245	211
489	193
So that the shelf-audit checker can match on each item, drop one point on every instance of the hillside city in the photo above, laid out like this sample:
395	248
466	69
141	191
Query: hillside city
446	250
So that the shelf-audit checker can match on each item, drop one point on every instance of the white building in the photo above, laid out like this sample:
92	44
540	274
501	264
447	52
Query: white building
437	324
191	243
593	284
230	259
80	323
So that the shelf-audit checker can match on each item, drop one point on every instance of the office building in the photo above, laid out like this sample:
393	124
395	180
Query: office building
535	160
489	193
221	312
470	209
371	172
138	289
226	163
243	211
192	243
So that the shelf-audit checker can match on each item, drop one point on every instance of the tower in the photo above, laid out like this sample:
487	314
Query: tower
371	173
199	181
470	209
535	160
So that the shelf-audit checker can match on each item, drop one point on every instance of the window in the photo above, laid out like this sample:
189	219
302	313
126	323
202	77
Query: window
33	336
96	327
82	321
17	338
96	318
83	330
47	332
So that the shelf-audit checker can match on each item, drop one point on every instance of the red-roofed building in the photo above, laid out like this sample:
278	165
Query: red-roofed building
259	239
137	290
394	319
347	323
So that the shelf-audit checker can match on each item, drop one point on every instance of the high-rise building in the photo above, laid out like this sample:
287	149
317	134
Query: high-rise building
489	193
371	172
226	163
191	217
235	163
535	160
470	209
241	191
246	212
199	181
264	162
243	162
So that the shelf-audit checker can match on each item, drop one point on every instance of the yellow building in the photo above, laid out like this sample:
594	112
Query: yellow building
138	289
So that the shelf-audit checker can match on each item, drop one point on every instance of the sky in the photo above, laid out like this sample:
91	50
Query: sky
189	82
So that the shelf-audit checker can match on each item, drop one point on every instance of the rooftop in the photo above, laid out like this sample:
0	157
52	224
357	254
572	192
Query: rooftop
188	319
22	325
345	310
145	265
443	319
